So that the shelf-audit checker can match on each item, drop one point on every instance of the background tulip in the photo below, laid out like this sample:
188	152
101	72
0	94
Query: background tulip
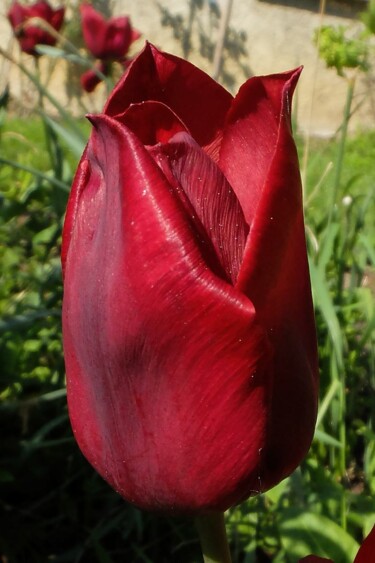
90	79
107	39
31	34
188	327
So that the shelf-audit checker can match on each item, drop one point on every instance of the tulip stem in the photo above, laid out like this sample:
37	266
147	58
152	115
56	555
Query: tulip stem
213	537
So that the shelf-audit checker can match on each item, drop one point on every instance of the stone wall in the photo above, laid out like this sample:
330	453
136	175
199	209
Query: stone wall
275	36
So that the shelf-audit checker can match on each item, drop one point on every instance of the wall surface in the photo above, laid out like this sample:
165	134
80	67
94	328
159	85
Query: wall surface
274	36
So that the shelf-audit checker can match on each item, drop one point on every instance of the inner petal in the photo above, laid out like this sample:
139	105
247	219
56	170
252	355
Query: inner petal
202	186
153	122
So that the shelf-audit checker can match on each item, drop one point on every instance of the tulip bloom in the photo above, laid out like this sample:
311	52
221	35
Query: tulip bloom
366	553
90	79
107	40
188	325
31	34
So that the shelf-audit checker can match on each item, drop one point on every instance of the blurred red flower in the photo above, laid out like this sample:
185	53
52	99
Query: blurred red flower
31	34
90	78
188	325
107	40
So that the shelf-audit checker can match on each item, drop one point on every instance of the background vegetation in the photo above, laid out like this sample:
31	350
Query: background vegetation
53	506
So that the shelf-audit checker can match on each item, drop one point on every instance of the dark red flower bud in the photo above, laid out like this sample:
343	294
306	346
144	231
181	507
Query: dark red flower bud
90	79
31	34
106	39
188	326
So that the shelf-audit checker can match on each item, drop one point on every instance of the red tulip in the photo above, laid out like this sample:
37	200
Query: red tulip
107	40
31	34
366	553
188	326
90	79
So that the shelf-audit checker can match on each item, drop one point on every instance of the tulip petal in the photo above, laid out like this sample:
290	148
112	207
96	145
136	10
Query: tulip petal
366	552
275	276
251	134
188	91
94	27
57	18
106	39
118	37
210	197
152	122
90	79
167	367
16	15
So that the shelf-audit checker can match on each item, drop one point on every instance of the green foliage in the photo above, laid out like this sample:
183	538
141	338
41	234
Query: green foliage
340	51
368	17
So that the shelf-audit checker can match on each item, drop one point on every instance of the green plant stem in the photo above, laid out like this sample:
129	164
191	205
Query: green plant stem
47	128
342	451
44	91
58	183
213	537
343	137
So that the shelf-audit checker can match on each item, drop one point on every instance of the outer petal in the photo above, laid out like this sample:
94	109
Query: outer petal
366	552
135	34
152	122
274	272
199	101
89	79
43	10
94	28
16	14
251	135
118	37
167	367
40	9
57	18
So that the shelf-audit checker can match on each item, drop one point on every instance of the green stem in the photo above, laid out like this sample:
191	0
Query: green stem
58	183
44	91
343	137
342	452
213	537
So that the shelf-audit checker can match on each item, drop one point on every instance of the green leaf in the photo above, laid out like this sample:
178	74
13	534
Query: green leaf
324	302
45	236
22	322
36	173
326	402
303	533
325	438
326	247
57	53
75	142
